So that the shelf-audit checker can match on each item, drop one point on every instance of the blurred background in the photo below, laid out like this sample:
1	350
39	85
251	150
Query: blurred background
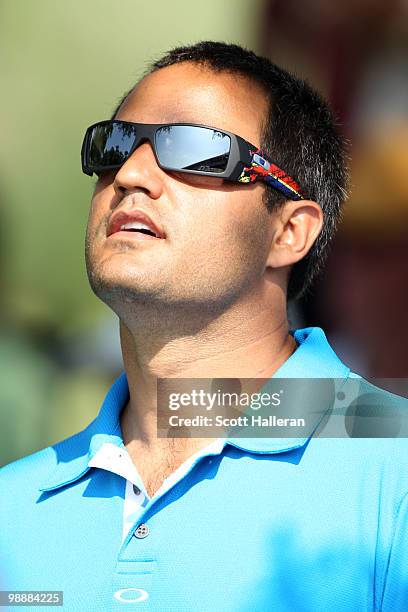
65	66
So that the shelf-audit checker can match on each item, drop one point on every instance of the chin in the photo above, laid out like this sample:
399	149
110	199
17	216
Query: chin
122	288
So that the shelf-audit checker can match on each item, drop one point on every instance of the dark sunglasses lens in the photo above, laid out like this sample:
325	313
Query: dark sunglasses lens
110	144
184	147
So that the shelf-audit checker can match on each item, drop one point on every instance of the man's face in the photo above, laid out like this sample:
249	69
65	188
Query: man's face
217	233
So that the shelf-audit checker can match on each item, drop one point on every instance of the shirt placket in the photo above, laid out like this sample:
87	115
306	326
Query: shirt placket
137	562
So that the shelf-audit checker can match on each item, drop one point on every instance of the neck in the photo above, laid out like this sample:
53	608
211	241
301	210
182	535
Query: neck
248	340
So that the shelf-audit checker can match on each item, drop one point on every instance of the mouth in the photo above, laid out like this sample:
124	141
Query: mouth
134	224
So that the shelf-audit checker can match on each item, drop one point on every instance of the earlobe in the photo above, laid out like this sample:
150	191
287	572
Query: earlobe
298	226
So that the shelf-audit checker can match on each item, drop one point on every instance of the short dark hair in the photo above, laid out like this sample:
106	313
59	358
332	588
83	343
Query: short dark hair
300	134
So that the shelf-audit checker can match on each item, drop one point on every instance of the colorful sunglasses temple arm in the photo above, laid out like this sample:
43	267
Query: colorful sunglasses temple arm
271	174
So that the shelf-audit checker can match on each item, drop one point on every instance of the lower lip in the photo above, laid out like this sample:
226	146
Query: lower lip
133	235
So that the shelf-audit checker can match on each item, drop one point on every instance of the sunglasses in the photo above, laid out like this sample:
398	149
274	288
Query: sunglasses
187	147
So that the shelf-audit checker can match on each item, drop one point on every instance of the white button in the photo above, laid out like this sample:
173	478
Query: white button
142	531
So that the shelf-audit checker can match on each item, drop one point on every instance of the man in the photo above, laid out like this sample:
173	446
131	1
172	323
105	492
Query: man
196	237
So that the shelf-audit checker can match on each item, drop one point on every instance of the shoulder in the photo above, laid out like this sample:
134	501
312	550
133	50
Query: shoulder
20	482
27	469
373	411
376	425
24	477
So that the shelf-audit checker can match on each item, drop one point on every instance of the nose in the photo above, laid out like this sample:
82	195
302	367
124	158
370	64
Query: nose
140	171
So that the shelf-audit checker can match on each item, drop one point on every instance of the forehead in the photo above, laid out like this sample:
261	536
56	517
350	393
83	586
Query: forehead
193	93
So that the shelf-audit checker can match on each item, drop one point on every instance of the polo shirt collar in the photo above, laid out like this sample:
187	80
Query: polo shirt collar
74	453
313	358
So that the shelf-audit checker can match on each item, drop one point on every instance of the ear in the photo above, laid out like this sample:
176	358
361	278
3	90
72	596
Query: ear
297	226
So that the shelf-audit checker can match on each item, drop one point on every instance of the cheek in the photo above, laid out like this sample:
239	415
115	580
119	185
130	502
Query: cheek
249	238
199	181
98	210
246	222
92	216
228	230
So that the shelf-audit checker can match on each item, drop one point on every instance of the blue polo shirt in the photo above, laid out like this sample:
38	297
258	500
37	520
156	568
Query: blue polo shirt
252	524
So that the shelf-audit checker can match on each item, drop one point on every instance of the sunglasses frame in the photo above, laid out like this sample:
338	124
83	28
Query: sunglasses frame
245	164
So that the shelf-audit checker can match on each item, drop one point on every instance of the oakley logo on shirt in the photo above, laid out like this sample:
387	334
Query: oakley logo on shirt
134	595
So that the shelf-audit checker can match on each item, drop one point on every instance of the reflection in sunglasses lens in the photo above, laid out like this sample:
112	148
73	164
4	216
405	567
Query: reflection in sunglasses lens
183	147
111	144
